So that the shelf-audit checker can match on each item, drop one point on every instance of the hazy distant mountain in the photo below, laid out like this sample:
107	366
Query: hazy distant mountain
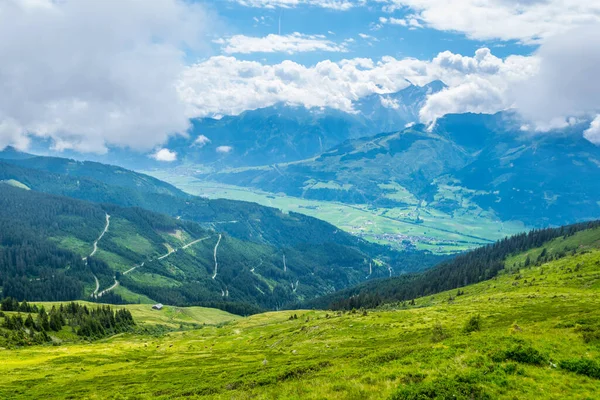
275	134
484	158
284	133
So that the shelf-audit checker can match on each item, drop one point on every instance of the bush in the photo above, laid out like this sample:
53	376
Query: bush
582	366
523	354
457	388
473	324
591	337
439	333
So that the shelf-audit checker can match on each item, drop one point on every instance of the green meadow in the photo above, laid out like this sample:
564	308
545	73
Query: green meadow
531	332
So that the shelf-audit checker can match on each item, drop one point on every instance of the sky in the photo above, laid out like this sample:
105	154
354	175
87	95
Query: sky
89	75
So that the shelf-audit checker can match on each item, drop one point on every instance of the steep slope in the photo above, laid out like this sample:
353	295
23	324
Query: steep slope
528	334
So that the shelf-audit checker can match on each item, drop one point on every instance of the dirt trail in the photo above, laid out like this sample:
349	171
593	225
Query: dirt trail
94	250
216	263
101	235
130	270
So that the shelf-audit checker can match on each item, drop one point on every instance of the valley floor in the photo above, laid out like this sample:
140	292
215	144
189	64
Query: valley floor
536	327
438	232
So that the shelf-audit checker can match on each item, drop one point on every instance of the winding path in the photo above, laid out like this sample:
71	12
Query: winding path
95	249
216	263
130	270
101	235
370	270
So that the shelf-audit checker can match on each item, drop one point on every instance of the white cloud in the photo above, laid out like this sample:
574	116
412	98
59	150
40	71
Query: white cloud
224	149
94	73
523	20
368	37
164	155
566	82
593	132
247	85
330	4
290	44
477	84
410	21
201	141
477	95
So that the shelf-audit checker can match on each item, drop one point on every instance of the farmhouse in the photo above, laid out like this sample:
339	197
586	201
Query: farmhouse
157	307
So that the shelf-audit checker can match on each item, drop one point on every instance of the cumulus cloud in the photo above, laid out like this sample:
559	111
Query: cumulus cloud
593	132
530	21
566	81
247	85
164	155
89	74
290	44
476	83
224	149
201	141
479	84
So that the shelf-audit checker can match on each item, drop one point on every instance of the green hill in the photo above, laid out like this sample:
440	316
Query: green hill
242	220
529	332
58	248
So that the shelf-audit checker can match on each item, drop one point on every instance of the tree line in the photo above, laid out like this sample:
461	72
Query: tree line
475	266
29	324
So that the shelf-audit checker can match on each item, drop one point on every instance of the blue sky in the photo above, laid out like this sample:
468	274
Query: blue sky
337	26
132	74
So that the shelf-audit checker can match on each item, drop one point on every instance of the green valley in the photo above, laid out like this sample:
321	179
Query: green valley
437	230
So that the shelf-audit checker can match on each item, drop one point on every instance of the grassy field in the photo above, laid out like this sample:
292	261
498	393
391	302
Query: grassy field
439	232
529	333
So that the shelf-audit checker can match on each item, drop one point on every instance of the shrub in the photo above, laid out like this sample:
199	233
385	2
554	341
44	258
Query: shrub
590	335
524	354
582	366
438	333
473	324
457	388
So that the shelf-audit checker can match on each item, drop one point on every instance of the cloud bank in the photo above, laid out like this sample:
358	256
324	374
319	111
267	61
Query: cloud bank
94	73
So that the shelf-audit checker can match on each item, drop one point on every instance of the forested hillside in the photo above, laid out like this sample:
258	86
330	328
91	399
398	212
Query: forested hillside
475	266
58	248
242	220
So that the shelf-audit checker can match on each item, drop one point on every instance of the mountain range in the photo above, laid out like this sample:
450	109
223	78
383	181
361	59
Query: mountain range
279	133
478	161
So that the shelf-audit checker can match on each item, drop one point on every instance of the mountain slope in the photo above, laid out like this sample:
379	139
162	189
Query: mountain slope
476	266
529	334
165	259
482	163
264	257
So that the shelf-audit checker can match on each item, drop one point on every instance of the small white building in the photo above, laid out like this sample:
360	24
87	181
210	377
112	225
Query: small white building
157	307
